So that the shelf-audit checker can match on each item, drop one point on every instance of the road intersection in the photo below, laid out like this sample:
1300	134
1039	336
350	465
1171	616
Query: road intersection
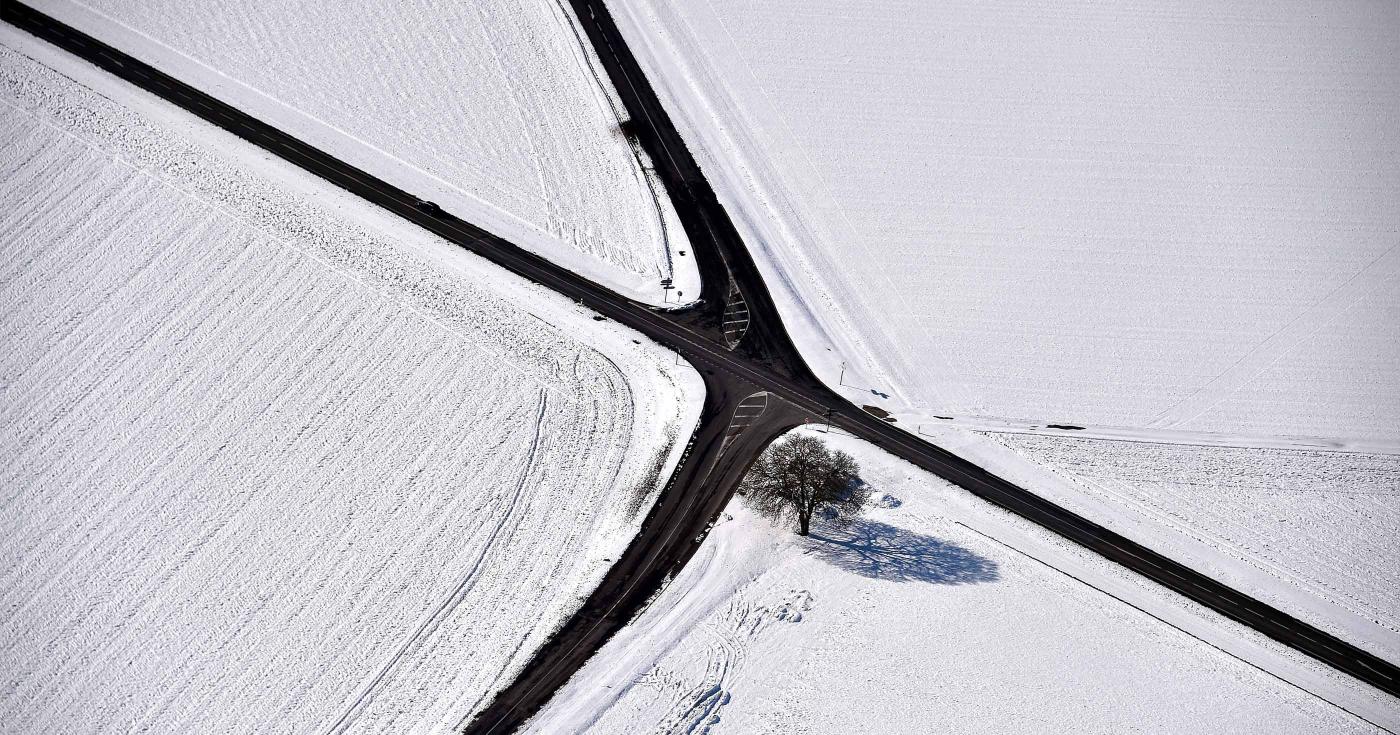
736	367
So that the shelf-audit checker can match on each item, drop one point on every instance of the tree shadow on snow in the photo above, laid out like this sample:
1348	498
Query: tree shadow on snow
881	551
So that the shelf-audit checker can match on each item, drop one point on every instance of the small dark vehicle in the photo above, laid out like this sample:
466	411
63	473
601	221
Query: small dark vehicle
429	208
876	411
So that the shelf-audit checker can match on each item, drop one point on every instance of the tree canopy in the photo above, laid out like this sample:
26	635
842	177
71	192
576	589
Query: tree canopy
799	476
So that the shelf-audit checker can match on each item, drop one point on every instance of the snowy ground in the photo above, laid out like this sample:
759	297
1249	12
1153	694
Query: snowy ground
1129	216
266	466
1318	523
1173	224
928	617
495	110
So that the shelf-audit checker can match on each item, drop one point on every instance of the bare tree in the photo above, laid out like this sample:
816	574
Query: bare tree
798	477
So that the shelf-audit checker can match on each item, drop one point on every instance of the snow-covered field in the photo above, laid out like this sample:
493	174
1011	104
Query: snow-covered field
1318	523
496	110
1138	214
1164	222
267	467
927	617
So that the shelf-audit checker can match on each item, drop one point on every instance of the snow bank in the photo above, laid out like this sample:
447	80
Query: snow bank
940	615
1171	224
498	111
267	466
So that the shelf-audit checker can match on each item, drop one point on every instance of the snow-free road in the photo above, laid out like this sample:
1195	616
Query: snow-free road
764	361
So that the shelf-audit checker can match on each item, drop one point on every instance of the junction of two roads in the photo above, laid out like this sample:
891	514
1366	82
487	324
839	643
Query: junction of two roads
757	385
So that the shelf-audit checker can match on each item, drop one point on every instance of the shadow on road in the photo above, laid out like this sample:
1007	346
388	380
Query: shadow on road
881	551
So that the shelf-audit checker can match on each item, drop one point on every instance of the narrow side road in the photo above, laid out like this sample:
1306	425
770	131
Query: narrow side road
764	360
720	454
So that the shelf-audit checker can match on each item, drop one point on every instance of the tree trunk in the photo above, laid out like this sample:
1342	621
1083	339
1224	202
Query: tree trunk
803	521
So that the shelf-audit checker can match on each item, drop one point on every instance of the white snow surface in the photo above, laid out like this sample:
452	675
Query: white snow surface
1309	530
1136	214
1171	224
268	467
498	111
933	616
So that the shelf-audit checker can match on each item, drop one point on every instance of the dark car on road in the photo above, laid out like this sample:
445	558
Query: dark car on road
429	208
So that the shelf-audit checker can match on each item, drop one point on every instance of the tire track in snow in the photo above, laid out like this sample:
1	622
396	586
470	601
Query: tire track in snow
454	598
1283	341
731	635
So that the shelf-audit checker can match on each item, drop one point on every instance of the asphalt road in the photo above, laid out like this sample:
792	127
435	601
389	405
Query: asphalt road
765	361
687	184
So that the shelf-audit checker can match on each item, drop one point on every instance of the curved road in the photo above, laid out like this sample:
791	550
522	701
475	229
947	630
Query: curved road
764	362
